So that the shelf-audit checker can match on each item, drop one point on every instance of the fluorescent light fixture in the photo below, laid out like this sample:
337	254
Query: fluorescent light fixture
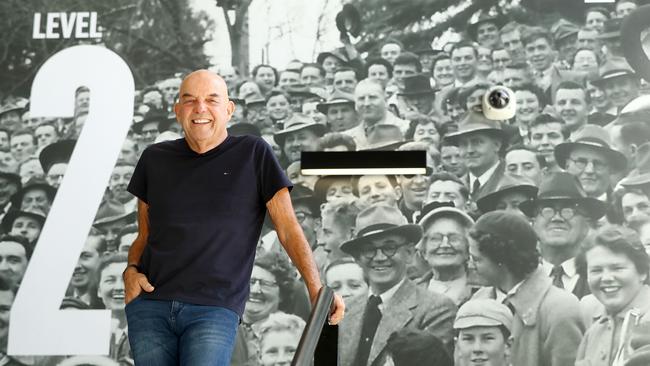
363	162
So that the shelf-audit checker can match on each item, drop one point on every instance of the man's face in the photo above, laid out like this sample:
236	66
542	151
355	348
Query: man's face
443	73
22	146
624	8
484	64
295	142
422	102
475	99
512	43
370	102
341	117
595	20
36	200
264	296
330	63
13	261
545	137
620	90
204	108
27	227
487	34
378	72
129	152
10	120
587	39
229	75
111	231
126	240
82	100
414	190
482	346
446	191
7	189
427	132
340	190
309	109
451	161
500	59
345	81
539	54
479	151
464	61
148	134
6	300
55	174
567	47
265	78
400	71
489	272
390	51
510	202
523	162
377	190
278	347
556	230
288	78
45	135
170	89
278	107
332	234
444	245
527	107
572	106
311	76
111	286
455	112
513	78
636	208
585	60
384	261
119	181
592	168
309	222
347	280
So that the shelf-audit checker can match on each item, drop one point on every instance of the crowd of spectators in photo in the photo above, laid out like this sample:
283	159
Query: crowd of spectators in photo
526	243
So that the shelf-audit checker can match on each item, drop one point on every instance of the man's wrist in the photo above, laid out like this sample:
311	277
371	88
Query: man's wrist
131	265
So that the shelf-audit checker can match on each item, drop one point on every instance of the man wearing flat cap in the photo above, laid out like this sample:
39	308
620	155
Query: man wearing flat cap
384	246
480	142
483	333
590	157
561	215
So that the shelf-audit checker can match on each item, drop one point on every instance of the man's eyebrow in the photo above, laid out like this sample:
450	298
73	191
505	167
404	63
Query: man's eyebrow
192	96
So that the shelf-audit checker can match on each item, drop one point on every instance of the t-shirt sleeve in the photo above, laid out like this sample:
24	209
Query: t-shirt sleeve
138	184
271	176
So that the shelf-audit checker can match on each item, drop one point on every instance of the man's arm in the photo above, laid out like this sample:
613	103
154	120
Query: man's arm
294	242
134	281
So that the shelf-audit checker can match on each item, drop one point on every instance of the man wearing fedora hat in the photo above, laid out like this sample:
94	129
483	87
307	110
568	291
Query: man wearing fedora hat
480	142
110	219
149	128
512	191
485	30
618	81
299	134
562	213
418	95
340	112
384	245
590	158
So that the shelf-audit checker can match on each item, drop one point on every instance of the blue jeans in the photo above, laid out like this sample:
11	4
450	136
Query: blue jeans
169	333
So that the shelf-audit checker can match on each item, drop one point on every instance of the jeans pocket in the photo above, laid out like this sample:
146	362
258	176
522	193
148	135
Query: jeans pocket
137	298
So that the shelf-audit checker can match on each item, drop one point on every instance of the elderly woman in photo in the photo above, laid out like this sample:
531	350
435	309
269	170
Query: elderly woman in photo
346	277
547	326
617	270
279	337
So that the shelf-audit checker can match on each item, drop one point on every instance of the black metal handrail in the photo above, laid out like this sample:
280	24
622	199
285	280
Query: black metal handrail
319	341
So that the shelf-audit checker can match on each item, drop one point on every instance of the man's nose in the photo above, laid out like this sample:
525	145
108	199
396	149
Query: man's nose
200	106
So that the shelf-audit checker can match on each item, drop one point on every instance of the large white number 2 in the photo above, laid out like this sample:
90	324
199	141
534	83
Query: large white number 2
37	326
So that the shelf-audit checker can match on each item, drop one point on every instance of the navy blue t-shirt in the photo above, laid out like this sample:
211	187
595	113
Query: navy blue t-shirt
205	216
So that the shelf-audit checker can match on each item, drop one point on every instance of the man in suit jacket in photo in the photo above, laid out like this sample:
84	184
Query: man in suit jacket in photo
384	246
480	142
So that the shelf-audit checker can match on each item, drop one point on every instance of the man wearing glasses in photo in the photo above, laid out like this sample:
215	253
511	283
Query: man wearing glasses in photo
561	215
384	246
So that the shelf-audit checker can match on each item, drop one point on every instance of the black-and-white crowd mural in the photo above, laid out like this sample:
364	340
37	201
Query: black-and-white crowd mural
526	242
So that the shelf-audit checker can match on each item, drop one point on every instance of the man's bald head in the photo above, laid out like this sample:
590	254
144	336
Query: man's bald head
205	76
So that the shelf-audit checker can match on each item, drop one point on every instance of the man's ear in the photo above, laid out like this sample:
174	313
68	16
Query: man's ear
230	108
398	192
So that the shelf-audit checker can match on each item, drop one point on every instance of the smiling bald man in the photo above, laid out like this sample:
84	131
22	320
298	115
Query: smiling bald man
201	204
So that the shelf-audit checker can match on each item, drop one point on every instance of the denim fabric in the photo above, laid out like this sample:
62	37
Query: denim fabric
169	333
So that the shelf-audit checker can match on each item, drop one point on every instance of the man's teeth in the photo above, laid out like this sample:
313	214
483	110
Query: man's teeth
610	289
201	120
